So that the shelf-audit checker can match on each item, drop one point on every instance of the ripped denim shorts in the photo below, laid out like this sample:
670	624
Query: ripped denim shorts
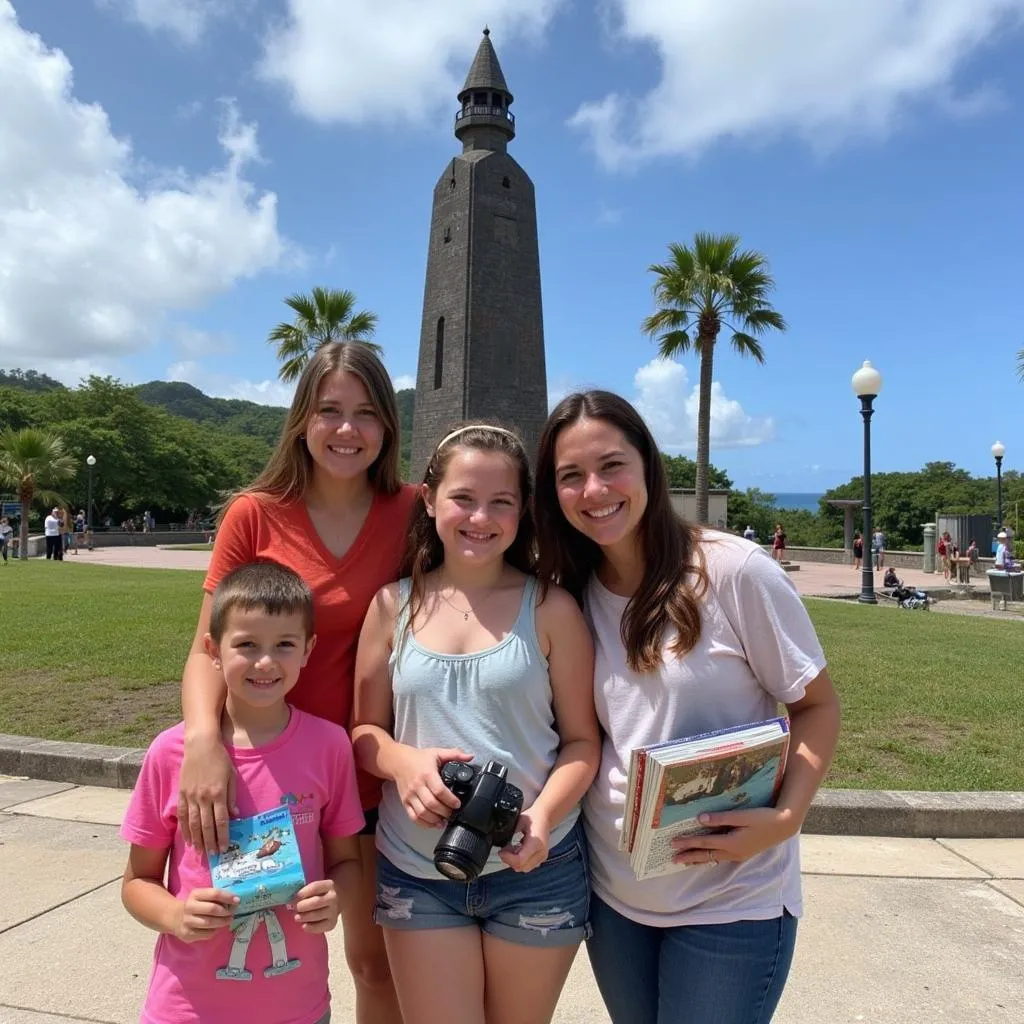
549	906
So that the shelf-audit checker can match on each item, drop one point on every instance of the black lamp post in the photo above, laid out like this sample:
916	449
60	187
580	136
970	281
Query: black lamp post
867	383
90	462
998	451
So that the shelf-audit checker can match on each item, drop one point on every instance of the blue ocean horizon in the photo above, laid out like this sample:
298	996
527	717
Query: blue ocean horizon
799	500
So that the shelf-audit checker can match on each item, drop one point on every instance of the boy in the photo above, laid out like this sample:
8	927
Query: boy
261	635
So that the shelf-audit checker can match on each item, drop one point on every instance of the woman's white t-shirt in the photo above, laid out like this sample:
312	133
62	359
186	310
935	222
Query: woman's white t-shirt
51	526
757	648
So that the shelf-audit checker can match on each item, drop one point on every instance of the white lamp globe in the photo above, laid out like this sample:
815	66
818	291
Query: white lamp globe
867	381
998	449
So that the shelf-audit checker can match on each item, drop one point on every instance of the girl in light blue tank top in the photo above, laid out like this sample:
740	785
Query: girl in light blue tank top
468	661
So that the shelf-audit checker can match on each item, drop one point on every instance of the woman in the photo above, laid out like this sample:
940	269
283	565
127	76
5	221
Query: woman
328	505
693	630
858	550
779	543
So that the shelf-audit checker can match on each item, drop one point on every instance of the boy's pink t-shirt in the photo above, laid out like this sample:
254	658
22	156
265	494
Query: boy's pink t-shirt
310	768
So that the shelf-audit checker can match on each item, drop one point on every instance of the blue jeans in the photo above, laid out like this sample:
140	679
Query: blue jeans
694	974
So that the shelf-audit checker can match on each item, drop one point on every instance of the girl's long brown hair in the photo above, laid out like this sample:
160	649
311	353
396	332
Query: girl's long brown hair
424	551
288	472
675	577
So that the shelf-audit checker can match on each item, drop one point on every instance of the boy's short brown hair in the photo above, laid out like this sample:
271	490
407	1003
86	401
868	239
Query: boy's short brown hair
261	586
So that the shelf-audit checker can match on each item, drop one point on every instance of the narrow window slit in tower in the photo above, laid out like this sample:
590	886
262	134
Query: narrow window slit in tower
439	353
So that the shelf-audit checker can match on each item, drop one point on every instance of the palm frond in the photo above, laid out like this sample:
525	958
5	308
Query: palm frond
1020	364
746	345
674	343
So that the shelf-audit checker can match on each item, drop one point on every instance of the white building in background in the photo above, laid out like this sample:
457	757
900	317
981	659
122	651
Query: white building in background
684	501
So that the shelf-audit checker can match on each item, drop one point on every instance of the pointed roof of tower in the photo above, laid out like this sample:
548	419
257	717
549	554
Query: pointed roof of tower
485	71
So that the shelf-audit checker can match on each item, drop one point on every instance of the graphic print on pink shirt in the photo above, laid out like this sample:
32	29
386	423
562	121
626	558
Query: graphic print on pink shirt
310	768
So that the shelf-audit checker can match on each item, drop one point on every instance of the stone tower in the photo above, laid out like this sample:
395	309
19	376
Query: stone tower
482	338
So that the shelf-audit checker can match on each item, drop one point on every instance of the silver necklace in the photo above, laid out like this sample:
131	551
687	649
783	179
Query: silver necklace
462	611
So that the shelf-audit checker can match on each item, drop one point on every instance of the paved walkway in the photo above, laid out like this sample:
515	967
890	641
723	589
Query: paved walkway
897	931
813	579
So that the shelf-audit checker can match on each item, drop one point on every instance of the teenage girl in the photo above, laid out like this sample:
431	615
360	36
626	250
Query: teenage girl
469	658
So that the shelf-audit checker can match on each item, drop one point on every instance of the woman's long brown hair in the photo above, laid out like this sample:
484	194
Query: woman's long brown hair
424	551
289	470
675	577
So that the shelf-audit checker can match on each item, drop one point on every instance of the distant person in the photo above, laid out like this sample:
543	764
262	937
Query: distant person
67	530
51	531
779	543
878	548
259	639
79	525
1004	561
858	550
6	530
749	533
972	556
944	549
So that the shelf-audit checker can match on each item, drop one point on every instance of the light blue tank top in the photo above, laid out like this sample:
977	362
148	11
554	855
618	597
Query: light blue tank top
494	704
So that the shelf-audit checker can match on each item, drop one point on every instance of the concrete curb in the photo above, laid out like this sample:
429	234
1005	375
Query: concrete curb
861	812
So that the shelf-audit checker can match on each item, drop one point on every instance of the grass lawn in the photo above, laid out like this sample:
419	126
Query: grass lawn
930	701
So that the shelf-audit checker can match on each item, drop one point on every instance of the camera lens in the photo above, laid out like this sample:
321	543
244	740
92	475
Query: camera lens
461	853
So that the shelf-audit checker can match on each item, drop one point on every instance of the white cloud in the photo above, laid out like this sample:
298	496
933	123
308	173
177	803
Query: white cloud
403	381
822	71
670	409
186	19
222	385
97	248
401	61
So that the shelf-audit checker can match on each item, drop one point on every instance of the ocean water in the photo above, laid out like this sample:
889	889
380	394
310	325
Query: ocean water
798	499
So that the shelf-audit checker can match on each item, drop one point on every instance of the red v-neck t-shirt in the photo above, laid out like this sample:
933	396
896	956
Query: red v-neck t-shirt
256	528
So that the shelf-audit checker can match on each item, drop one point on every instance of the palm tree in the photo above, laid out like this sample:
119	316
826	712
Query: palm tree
32	461
326	314
703	288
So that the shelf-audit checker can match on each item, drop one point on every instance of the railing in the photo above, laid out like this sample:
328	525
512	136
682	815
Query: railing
485	111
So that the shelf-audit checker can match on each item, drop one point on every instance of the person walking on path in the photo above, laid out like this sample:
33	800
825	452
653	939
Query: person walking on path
328	505
260	638
858	550
51	531
468	658
693	630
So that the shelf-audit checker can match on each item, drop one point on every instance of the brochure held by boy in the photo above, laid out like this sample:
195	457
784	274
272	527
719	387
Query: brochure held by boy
671	783
262	865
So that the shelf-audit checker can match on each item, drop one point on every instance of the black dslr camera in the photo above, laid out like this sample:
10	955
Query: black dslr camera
487	817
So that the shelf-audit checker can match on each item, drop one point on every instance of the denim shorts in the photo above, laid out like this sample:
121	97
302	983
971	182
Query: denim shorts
549	906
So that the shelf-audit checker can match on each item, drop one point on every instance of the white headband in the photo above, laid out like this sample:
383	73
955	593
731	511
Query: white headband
478	426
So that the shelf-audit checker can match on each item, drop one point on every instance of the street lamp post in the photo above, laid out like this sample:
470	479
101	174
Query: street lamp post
90	462
998	451
867	383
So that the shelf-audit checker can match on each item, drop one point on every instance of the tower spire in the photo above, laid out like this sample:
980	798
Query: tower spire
484	120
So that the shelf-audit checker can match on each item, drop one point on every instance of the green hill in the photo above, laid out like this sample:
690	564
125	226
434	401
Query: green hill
234	415
241	417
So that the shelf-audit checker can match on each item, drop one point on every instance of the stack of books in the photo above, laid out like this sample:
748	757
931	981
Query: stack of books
671	783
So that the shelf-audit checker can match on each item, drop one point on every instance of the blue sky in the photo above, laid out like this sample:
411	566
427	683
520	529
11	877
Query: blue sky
169	172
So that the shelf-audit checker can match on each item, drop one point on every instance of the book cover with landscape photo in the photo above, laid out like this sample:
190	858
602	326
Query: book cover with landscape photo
671	783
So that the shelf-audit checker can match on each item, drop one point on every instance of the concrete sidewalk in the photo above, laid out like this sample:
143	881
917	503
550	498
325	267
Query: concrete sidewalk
907	931
813	579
